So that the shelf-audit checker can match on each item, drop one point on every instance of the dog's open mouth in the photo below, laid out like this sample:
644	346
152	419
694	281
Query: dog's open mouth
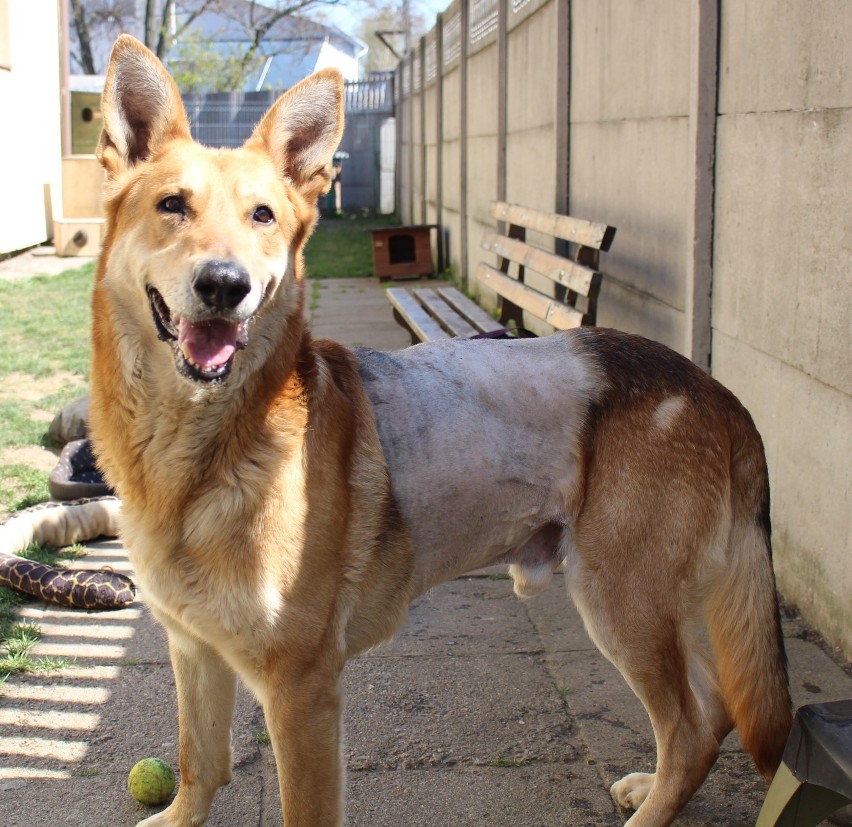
204	351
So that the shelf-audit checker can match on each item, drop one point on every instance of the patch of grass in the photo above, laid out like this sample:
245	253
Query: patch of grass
22	486
510	763
18	638
315	296
262	738
44	327
45	323
500	575
564	691
342	247
18	645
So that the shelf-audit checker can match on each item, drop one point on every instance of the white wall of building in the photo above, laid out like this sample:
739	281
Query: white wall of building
30	138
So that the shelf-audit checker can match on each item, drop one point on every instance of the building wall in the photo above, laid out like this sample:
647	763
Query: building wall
332	57
782	290
716	141
531	90
629	154
30	140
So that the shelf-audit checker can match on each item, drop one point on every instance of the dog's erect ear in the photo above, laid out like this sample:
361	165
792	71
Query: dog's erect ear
141	107
302	130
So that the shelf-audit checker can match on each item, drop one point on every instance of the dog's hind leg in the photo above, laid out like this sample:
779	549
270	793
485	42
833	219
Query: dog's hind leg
690	722
675	683
206	691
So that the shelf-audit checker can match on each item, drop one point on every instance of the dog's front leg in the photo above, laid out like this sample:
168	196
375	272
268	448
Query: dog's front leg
206	691
303	709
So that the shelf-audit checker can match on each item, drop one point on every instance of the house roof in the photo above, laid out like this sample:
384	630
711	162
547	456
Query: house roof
236	20
282	71
290	49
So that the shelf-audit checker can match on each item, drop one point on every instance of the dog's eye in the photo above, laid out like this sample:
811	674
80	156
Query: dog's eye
172	204
263	215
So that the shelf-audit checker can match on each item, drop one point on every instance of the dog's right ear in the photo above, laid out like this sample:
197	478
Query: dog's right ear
141	107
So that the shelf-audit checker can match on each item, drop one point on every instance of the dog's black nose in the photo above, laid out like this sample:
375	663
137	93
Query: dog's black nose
221	284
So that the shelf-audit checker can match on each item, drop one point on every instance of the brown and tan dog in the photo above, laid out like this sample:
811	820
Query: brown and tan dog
284	499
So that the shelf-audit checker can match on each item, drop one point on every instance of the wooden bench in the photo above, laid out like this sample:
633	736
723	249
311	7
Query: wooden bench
436	313
564	293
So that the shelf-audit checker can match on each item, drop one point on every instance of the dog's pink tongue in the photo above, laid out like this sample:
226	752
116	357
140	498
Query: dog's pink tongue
209	345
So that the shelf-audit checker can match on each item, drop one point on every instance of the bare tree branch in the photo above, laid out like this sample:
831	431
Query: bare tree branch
165	40
163	23
81	26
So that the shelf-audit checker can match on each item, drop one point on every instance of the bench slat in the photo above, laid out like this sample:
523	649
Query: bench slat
414	316
469	309
574	276
447	316
559	315
578	230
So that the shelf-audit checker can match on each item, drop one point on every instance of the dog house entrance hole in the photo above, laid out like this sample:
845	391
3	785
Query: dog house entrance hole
402	249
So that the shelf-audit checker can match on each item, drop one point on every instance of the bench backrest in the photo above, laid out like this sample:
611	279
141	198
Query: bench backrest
574	273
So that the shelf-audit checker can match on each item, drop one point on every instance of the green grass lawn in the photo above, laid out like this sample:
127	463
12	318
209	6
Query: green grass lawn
44	364
342	247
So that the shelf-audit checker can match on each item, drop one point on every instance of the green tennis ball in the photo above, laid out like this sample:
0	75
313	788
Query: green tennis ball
151	781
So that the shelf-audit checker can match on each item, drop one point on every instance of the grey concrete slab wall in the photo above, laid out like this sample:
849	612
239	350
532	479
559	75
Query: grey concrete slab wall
632	174
531	106
482	141
629	155
782	293
715	135
417	139
452	147
451	171
432	132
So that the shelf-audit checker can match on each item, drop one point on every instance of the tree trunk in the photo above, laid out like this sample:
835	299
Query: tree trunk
164	41
81	26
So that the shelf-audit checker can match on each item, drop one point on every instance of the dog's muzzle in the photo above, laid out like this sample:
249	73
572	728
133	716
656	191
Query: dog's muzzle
204	350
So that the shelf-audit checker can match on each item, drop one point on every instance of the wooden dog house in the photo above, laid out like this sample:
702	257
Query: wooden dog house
403	252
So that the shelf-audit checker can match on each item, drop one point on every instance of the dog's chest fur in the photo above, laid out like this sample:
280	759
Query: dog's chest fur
210	564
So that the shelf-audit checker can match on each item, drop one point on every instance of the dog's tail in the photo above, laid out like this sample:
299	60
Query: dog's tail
744	622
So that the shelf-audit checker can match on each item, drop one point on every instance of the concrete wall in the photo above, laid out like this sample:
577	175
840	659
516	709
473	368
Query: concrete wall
717	141
782	289
629	154
451	209
30	140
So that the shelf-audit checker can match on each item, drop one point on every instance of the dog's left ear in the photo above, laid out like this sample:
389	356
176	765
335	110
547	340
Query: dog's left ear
141	106
302	130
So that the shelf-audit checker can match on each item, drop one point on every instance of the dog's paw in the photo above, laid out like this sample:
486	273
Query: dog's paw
173	816
158	820
632	790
